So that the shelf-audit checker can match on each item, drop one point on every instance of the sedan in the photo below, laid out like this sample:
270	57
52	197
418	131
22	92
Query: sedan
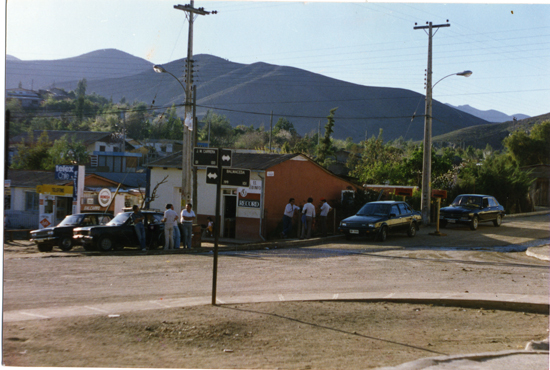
471	209
62	234
377	219
120	233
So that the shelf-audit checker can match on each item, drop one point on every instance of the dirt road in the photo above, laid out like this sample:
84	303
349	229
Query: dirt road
281	334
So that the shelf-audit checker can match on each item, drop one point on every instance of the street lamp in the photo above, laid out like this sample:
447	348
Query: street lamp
427	155
185	152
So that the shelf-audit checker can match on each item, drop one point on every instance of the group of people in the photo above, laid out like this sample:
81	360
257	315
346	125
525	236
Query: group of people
172	222
307	218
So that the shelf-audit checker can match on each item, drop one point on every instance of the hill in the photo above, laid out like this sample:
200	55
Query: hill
100	64
492	133
490	115
247	94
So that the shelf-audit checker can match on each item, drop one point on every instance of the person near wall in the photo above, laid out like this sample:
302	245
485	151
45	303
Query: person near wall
137	218
210	227
309	212
325	209
187	218
177	233
170	217
290	210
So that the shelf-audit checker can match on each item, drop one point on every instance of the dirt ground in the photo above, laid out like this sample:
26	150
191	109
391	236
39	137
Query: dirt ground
280	335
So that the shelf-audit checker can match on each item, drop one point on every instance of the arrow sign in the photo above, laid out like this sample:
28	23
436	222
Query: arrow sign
226	157
212	175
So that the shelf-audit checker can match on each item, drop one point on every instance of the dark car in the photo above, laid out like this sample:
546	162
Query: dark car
62	234
120	233
377	219
471	209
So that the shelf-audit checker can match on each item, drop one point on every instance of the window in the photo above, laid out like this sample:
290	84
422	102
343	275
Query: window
405	210
493	202
7	200
102	148
394	210
31	201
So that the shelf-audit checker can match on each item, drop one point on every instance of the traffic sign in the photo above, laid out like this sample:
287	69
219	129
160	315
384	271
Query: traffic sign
227	155
205	156
212	175
235	177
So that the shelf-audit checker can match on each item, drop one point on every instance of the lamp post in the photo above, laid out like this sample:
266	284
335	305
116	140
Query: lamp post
427	154
185	165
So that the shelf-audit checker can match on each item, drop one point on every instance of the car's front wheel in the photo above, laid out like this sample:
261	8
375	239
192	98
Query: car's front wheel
411	230
383	234
105	244
474	223
498	221
66	243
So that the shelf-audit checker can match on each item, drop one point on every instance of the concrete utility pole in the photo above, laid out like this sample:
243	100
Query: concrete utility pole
427	158
189	120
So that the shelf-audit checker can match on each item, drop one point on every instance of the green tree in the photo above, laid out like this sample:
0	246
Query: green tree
32	155
530	149
65	150
221	132
326	150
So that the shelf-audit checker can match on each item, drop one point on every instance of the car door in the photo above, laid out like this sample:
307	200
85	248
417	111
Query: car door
394	221
492	210
406	215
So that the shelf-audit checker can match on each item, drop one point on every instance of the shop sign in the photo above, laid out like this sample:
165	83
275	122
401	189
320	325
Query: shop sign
248	200
104	197
57	190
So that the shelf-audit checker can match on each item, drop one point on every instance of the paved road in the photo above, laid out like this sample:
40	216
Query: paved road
482	263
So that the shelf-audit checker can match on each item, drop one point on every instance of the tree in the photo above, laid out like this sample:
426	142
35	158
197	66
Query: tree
66	151
326	150
530	149
34	156
219	128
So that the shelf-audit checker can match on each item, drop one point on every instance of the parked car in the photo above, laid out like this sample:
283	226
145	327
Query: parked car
471	209
377	219
120	233
62	234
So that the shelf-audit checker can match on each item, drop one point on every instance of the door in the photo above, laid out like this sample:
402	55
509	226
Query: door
229	215
64	207
395	222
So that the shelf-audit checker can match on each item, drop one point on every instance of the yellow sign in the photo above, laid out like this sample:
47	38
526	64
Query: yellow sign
58	190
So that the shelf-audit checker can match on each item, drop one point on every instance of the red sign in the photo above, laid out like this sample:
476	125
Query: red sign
45	222
408	192
439	194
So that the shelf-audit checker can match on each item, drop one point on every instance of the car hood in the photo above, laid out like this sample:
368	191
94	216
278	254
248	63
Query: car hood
365	219
458	209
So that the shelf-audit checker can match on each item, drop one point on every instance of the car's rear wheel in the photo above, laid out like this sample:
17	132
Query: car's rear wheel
45	247
498	221
474	223
105	244
66	243
383	234
411	230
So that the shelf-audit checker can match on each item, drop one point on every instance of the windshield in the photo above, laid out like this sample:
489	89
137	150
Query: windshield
467	201
374	209
72	220
120	219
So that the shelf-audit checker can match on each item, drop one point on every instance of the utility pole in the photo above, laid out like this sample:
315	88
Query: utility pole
427	154
189	120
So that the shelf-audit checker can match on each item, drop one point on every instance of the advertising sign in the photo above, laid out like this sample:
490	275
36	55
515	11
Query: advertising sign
104	197
66	172
248	200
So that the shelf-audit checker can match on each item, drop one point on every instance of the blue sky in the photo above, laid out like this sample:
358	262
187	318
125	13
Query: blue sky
507	46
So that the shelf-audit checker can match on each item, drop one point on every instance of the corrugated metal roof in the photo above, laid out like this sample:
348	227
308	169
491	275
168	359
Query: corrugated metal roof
251	161
129	180
86	137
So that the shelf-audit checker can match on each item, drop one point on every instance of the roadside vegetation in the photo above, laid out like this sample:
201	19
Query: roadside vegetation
457	169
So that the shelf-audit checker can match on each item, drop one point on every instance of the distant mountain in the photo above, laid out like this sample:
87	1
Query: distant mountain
10	57
247	94
489	115
100	64
491	133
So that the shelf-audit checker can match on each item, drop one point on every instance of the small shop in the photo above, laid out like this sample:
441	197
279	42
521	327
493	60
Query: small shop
54	203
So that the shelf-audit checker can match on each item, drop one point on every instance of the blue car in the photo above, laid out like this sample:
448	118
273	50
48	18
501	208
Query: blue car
471	209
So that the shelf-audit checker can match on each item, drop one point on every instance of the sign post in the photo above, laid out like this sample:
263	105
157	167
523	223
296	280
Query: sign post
217	228
438	194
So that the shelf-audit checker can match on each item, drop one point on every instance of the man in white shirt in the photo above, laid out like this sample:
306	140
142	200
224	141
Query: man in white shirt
309	212
170	217
187	218
325	209
290	210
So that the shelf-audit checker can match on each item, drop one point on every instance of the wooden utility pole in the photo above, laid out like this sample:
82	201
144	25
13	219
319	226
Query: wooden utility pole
427	155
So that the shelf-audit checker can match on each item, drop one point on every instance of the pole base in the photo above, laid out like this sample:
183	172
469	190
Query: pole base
437	233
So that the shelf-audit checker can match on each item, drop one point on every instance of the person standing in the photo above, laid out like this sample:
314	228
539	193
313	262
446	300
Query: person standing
309	212
290	210
177	234
137	218
325	209
187	218
169	218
